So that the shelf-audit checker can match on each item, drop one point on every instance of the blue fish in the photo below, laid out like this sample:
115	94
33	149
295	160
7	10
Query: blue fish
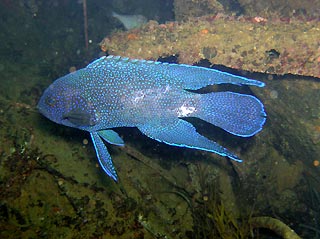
155	97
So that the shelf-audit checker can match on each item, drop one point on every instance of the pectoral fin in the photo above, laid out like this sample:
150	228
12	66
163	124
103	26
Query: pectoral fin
103	156
80	117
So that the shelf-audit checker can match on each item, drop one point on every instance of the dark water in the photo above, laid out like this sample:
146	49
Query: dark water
51	185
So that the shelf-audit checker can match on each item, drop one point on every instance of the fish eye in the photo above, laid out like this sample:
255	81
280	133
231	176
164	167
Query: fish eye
50	101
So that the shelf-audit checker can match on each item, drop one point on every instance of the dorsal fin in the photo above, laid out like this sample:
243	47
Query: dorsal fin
190	77
114	59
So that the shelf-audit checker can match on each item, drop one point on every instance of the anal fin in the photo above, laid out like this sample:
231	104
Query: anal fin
183	134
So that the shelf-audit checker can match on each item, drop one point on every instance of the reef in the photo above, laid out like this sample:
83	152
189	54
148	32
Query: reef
256	44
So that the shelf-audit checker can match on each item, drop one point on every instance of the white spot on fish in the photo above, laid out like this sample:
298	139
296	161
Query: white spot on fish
167	89
185	111
139	97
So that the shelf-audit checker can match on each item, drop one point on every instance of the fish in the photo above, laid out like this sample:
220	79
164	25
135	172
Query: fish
130	21
155	97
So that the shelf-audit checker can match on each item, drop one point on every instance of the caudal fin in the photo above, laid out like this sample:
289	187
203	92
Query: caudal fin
239	114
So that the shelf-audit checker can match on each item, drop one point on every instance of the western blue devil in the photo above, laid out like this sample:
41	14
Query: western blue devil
154	97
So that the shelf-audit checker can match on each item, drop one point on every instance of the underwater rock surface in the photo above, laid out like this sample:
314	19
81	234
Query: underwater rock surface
256	44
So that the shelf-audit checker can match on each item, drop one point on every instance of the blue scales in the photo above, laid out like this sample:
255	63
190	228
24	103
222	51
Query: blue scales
152	96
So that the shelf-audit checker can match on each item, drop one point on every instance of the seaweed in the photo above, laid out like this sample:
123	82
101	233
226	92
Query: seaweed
313	200
213	220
